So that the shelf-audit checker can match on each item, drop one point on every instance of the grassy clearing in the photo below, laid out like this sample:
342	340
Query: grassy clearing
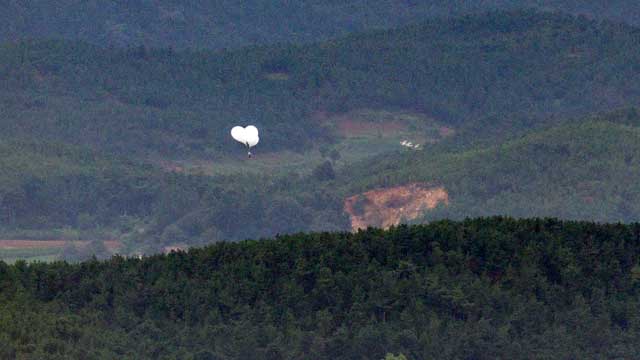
360	135
44	250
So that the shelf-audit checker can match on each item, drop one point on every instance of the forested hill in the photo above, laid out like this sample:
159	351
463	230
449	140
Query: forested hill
505	69
582	169
477	289
51	185
233	23
483	80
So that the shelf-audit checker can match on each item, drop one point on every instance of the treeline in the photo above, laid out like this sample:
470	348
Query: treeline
69	189
232	23
508	70
581	169
477	289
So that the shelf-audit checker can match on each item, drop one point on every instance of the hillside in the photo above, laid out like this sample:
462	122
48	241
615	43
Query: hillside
481	289
498	104
233	23
503	71
57	191
582	169
48	185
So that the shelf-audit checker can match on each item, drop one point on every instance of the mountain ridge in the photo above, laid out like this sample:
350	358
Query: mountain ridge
233	24
532	66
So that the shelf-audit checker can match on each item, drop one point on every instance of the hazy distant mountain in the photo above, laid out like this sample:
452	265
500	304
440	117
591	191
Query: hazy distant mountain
233	23
485	78
511	68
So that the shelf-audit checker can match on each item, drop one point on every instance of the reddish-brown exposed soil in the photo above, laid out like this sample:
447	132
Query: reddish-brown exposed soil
350	128
446	131
348	125
389	206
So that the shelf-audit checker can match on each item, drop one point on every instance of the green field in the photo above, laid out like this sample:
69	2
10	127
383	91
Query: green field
47	254
359	135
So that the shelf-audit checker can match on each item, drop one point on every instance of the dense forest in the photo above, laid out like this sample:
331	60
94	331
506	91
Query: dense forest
54	186
46	185
477	289
583	168
81	122
233	23
518	184
508	70
499	140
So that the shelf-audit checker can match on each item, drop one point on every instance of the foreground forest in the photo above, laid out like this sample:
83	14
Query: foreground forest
477	289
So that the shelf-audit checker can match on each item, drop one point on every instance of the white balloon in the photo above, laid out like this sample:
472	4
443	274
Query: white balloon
238	133
251	130
247	136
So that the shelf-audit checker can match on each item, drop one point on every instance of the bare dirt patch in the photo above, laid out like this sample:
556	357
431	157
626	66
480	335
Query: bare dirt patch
112	245
354	124
384	124
446	131
351	128
389	206
277	76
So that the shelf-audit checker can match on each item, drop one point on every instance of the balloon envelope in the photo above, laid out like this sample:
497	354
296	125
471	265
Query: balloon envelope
251	133
247	136
238	133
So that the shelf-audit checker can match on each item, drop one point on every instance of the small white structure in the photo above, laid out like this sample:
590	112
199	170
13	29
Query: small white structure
410	145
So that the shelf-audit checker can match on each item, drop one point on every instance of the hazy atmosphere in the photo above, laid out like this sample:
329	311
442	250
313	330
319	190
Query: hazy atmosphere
383	180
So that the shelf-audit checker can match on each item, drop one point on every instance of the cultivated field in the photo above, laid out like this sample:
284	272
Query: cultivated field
44	250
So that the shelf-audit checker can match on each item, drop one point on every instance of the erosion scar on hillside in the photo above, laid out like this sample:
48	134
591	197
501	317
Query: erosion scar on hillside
389	206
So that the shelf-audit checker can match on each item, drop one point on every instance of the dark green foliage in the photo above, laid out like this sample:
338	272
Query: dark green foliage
48	185
51	186
477	289
497	72
582	169
233	23
490	78
324	171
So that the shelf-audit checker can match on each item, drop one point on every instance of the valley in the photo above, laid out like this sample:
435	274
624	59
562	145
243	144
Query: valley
421	180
